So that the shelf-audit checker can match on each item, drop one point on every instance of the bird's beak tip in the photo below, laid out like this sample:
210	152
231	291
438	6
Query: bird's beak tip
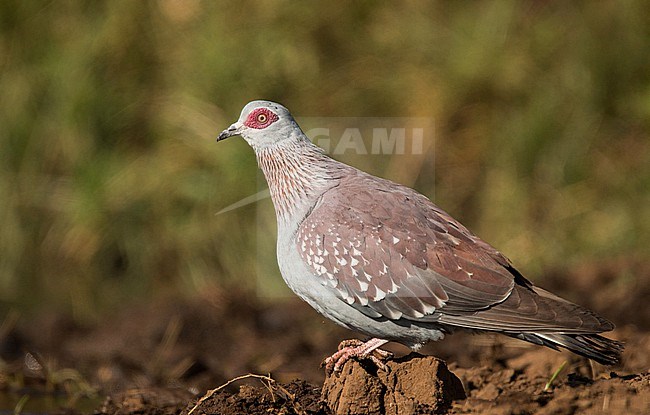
229	132
223	135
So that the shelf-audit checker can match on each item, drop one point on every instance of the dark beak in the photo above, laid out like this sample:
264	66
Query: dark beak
234	129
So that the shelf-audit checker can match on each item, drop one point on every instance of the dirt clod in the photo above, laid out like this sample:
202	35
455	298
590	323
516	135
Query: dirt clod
413	384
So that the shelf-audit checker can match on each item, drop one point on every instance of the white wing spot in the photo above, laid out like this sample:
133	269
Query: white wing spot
380	294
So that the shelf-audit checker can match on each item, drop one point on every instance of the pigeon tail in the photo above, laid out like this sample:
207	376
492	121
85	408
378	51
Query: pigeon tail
593	346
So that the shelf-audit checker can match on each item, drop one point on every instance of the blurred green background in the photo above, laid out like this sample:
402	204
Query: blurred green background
110	178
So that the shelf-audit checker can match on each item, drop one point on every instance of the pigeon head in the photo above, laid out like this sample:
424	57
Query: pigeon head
263	124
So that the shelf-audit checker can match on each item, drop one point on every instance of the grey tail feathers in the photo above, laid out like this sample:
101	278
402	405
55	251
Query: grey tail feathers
593	346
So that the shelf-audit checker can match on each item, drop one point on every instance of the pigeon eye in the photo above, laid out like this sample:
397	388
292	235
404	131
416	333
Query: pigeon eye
260	118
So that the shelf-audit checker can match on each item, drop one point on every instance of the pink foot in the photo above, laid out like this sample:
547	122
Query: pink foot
362	350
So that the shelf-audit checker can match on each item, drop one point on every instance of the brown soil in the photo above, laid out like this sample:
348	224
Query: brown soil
412	384
161	358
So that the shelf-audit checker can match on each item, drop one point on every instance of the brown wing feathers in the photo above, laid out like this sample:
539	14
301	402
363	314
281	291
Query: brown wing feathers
394	254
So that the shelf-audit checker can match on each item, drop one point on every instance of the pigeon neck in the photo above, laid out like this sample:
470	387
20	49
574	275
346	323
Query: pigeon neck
297	173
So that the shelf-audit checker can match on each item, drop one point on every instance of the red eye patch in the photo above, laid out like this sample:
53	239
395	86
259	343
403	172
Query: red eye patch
260	118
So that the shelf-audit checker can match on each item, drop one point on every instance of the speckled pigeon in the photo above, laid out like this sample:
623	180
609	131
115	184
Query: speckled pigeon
379	258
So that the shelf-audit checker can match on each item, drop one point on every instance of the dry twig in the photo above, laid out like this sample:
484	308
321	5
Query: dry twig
270	384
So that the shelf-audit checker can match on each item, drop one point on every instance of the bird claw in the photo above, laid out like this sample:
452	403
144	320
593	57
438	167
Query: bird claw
355	348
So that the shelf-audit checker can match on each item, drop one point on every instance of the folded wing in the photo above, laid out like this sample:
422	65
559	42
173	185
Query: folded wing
391	253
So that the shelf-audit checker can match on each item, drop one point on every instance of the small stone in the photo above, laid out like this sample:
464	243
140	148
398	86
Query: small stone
489	393
413	384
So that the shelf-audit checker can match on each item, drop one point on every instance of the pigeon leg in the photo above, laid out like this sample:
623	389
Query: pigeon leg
356	348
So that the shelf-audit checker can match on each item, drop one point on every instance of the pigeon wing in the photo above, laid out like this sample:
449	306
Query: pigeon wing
392	253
